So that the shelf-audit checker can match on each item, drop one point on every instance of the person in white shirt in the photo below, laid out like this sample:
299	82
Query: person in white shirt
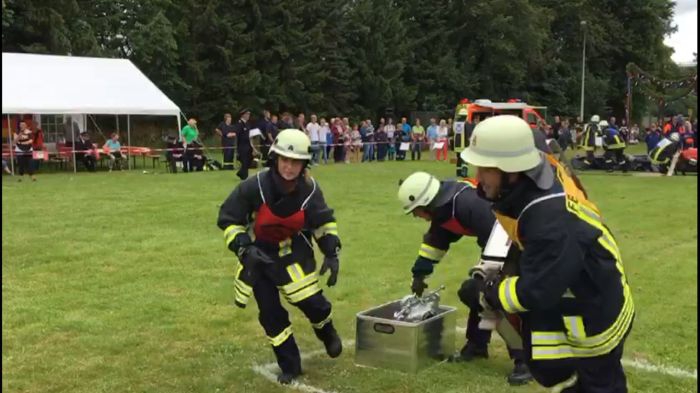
323	133
390	130
442	133
313	130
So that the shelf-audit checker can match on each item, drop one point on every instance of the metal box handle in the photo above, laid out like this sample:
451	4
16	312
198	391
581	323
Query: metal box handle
383	328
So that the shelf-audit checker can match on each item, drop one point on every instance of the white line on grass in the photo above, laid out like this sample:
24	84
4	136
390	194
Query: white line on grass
638	364
268	371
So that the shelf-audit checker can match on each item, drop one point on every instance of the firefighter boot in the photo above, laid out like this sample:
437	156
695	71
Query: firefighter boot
520	374
330	339
472	351
288	360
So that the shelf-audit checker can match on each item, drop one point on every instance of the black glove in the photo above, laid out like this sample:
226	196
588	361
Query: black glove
252	255
332	264
490	290
418	285
470	291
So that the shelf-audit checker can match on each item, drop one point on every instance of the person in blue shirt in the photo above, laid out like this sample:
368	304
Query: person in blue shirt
432	134
112	148
653	137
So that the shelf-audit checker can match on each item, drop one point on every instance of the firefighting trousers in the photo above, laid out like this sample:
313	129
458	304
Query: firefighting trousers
615	155
599	374
298	283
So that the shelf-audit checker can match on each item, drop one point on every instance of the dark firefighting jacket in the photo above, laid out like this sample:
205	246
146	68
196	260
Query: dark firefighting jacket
663	151
590	131
572	289
258	212
458	211
612	139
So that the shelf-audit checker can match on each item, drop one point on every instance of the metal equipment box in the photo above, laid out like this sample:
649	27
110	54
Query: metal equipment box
384	342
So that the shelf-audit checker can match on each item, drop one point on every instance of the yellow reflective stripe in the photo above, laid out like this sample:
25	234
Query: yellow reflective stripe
323	323
568	351
548	338
285	247
558	388
329	228
430	252
574	327
232	231
311	290
297	285
295	272
508	297
280	338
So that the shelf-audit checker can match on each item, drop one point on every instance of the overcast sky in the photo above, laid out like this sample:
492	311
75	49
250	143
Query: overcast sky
684	41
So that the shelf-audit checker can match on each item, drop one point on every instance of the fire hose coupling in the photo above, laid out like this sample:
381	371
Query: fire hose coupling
418	308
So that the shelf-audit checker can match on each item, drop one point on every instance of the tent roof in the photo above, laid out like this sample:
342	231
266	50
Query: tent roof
48	84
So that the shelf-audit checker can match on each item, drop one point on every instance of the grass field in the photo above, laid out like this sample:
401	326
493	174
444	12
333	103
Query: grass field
121	283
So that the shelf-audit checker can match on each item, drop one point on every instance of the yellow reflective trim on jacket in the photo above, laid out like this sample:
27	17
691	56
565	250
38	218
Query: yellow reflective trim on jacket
296	273
285	247
232	231
329	228
508	297
297	285
510	225
430	252
304	293
279	339
574	327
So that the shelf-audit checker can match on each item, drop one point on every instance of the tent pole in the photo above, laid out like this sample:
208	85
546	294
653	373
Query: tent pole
9	140
128	132
72	131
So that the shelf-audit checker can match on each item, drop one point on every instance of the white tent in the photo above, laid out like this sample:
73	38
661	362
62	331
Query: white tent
47	84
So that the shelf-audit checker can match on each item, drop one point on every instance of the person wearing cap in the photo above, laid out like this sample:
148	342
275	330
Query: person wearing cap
244	147
661	155
590	132
571	290
453	210
84	151
284	208
614	147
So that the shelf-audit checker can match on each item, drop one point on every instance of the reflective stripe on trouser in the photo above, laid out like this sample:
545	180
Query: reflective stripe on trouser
242	291
301	286
275	321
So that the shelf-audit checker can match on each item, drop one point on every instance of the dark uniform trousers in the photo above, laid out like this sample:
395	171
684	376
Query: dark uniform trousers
294	275
599	374
245	156
615	155
229	154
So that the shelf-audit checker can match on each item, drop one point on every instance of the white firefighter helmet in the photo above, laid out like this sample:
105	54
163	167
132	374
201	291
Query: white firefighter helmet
603	124
505	142
419	189
595	118
676	137
292	143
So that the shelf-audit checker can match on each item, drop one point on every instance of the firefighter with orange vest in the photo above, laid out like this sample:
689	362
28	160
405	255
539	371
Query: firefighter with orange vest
453	210
269	222
571	291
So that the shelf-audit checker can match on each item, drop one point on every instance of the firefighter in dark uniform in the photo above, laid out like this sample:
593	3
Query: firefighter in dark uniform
269	221
454	210
572	292
663	152
590	131
245	149
614	147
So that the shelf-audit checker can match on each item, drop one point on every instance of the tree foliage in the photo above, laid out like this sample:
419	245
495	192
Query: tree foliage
360	57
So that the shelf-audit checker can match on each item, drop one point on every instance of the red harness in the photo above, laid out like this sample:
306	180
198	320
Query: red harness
272	228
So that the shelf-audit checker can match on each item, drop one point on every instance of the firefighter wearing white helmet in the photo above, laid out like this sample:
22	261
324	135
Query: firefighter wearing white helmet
614	147
454	210
571	289
590	132
284	208
661	155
